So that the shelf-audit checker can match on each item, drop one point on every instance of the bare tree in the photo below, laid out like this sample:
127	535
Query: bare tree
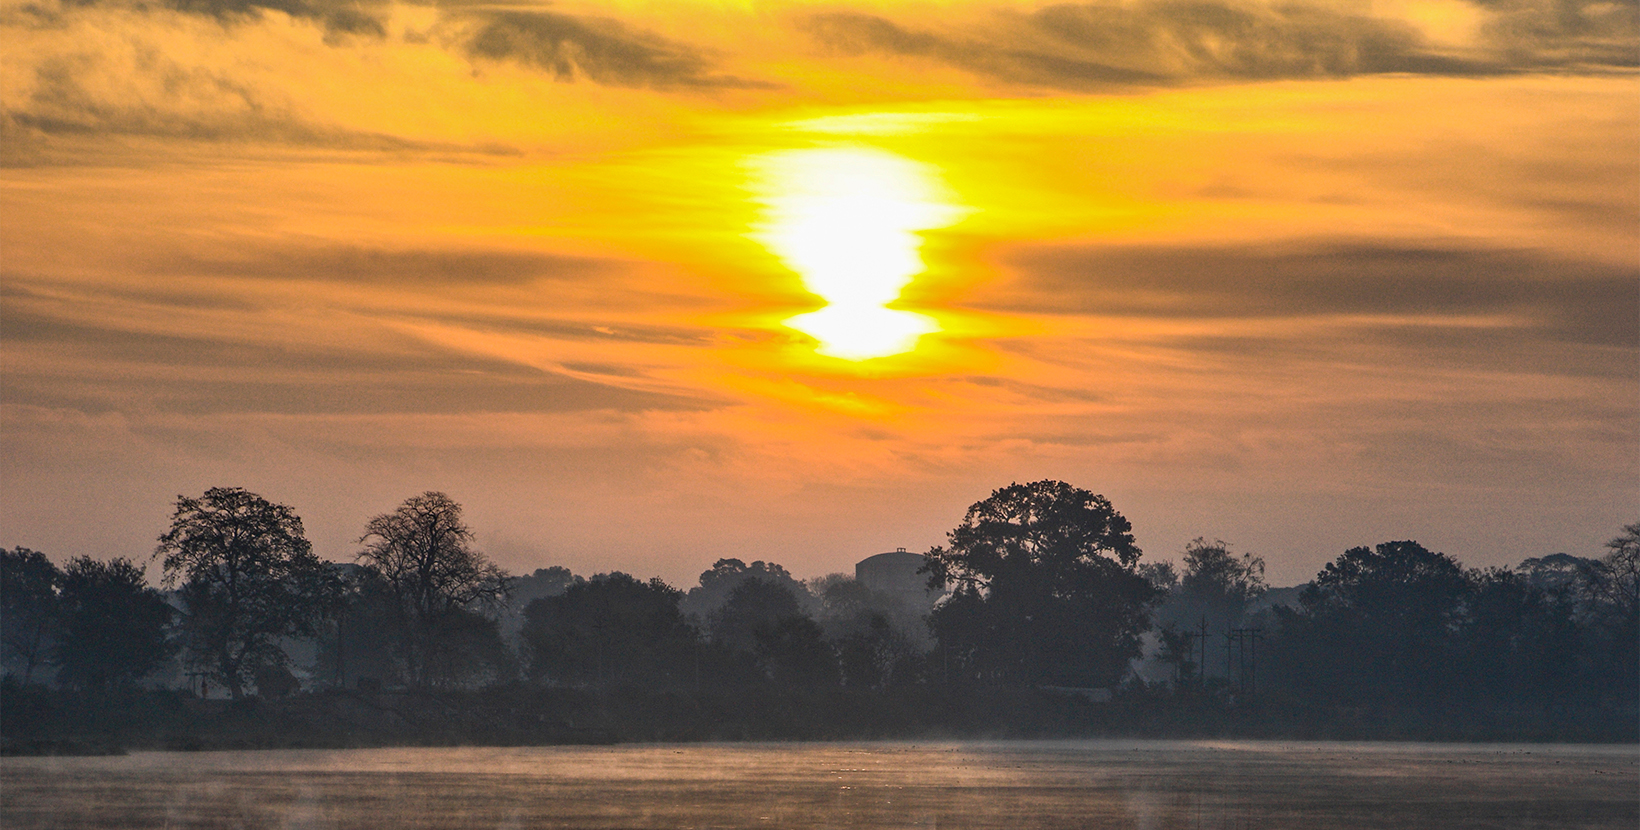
1618	580
423	550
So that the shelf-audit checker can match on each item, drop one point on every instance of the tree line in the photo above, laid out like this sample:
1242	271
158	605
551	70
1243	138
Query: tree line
1040	586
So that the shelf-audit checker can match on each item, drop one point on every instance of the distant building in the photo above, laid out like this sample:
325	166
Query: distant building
895	574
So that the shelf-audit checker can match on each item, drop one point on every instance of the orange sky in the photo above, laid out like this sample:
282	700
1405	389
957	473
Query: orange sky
1296	276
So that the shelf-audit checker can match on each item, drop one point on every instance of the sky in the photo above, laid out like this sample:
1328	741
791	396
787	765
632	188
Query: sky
647	284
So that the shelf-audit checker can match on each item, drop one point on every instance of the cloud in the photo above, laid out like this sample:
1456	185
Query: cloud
374	266
855	33
221	71
337	17
1563	300
78	363
1103	45
601	50
353	17
1564	33
139	91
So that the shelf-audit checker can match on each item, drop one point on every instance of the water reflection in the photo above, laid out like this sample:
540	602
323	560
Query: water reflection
1047	785
847	220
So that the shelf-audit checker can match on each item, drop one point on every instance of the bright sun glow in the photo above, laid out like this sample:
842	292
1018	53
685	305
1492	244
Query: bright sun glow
846	219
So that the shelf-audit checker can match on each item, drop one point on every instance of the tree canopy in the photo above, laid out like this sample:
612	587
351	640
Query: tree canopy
113	627
1216	584
248	577
28	608
423	550
725	575
612	629
1048	589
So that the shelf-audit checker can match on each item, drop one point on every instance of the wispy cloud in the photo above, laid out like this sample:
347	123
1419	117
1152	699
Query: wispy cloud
1110	45
181	103
1528	293
598	49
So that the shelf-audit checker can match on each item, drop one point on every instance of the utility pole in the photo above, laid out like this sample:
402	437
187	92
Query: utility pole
1241	645
1201	638
1229	656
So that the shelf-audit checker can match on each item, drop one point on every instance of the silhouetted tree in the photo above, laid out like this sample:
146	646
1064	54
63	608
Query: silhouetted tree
248	577
847	607
1178	649
423	551
1375	627
793	651
1047	588
610	630
1610	593
1615	583
113	625
872	653
1218	583
725	575
1163	576
360	642
466	649
752	604
1556	573
544	582
878	637
1518	644
28	608
764	619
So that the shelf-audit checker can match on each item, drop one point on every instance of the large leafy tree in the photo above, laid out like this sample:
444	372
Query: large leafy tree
725	575
611	630
752	605
248	577
424	552
28	608
359	641
113	626
1518	645
763	619
1377	627
1047	588
1217	585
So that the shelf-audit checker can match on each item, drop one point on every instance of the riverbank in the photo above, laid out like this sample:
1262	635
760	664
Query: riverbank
35	720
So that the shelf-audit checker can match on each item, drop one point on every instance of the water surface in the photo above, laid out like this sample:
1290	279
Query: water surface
1086	784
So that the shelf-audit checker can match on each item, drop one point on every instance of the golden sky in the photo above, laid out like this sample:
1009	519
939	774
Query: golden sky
645	284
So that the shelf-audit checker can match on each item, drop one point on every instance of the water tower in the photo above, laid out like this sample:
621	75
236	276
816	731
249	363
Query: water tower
895	573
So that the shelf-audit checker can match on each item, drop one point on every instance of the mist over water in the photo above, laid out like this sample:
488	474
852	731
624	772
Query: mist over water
1097	784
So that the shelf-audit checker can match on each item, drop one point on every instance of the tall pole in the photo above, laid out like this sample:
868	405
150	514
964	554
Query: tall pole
341	669
1201	670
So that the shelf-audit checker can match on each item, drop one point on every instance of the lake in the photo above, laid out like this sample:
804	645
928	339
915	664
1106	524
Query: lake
1081	784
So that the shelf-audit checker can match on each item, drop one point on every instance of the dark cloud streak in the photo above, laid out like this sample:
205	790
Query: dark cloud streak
122	369
372	266
855	34
1569	301
351	17
600	50
64	105
1105	45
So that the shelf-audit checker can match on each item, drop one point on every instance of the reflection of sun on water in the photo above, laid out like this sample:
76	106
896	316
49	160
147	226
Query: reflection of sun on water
846	219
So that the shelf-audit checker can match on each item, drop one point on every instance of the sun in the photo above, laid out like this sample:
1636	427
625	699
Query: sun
847	220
